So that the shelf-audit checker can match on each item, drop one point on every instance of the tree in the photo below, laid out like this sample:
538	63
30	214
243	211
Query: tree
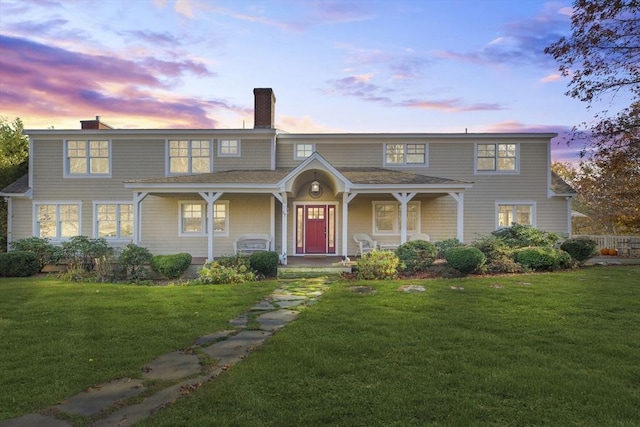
14	155
601	56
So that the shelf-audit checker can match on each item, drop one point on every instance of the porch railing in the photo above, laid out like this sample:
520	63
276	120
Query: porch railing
626	245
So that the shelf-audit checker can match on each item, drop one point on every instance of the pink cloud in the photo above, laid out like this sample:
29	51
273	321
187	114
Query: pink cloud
451	105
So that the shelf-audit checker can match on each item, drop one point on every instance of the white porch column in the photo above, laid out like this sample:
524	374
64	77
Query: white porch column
138	197
346	198
282	197
403	198
272	223
210	197
459	198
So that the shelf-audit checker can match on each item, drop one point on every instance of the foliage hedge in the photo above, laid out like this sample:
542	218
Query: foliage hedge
378	265
542	258
45	251
264	263
519	236
227	270
580	248
82	252
18	264
416	255
465	259
171	266
134	259
443	245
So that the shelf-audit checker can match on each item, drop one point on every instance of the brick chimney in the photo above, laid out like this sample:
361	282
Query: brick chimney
94	124
264	108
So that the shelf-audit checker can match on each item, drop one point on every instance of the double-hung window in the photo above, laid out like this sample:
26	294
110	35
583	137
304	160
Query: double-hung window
113	220
193	218
509	213
57	220
387	218
501	158
302	151
87	158
189	156
229	148
405	154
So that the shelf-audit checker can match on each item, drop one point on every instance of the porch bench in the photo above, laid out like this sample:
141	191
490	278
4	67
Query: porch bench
247	244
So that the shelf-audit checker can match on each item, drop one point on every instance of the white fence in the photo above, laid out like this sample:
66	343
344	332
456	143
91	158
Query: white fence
626	245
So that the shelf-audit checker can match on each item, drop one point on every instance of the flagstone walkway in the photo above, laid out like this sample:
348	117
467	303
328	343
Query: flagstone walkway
125	401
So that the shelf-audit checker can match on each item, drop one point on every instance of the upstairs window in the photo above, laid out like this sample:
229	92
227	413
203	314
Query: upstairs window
114	220
87	158
405	154
189	157
497	158
57	220
515	213
302	151
229	148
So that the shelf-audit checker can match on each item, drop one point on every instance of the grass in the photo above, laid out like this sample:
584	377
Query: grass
543	349
57	338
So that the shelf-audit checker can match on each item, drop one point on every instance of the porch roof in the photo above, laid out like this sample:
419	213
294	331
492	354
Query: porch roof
17	188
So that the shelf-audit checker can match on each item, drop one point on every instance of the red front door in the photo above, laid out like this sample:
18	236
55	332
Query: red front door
316	229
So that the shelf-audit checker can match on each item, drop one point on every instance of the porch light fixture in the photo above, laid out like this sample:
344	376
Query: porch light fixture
315	190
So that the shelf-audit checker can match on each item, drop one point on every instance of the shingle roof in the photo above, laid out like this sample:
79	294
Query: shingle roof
559	186
19	186
386	176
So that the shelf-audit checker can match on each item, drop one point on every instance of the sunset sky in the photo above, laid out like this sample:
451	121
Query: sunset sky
335	66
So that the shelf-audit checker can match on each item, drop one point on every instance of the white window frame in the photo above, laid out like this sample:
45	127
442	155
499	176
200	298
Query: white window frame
189	156
220	148
204	218
405	146
118	205
58	237
496	157
515	204
87	174
396	226
311	147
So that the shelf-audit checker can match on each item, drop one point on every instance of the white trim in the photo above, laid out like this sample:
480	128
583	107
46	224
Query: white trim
404	163
531	203
65	159
295	150
9	202
516	171
239	149
118	204
167	160
206	216
57	204
398	220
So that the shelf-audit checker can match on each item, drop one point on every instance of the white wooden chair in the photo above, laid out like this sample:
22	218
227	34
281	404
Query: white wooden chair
365	243
420	236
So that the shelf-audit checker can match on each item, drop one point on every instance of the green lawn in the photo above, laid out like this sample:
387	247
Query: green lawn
559	349
57	339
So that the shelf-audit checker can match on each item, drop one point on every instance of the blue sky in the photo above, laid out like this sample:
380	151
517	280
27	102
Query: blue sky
335	66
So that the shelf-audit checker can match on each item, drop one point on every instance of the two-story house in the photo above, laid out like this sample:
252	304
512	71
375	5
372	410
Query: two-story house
196	190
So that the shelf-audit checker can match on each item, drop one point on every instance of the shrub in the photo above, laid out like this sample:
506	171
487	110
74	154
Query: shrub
580	249
465	259
215	273
378	265
133	259
18	264
45	251
171	266
82	252
493	248
264	263
416	255
518	236
235	261
542	258
443	245
503	265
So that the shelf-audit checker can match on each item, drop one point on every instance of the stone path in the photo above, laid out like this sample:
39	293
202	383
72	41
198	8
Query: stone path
125	401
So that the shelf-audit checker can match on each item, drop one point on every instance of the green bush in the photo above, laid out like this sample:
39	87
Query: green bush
45	251
416	255
580	249
216	273
378	265
171	266
18	264
502	266
542	258
443	245
264	263
133	259
465	259
82	252
493	248
518	236
235	261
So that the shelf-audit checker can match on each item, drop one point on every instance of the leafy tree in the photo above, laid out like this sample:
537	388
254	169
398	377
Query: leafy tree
601	56
14	154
